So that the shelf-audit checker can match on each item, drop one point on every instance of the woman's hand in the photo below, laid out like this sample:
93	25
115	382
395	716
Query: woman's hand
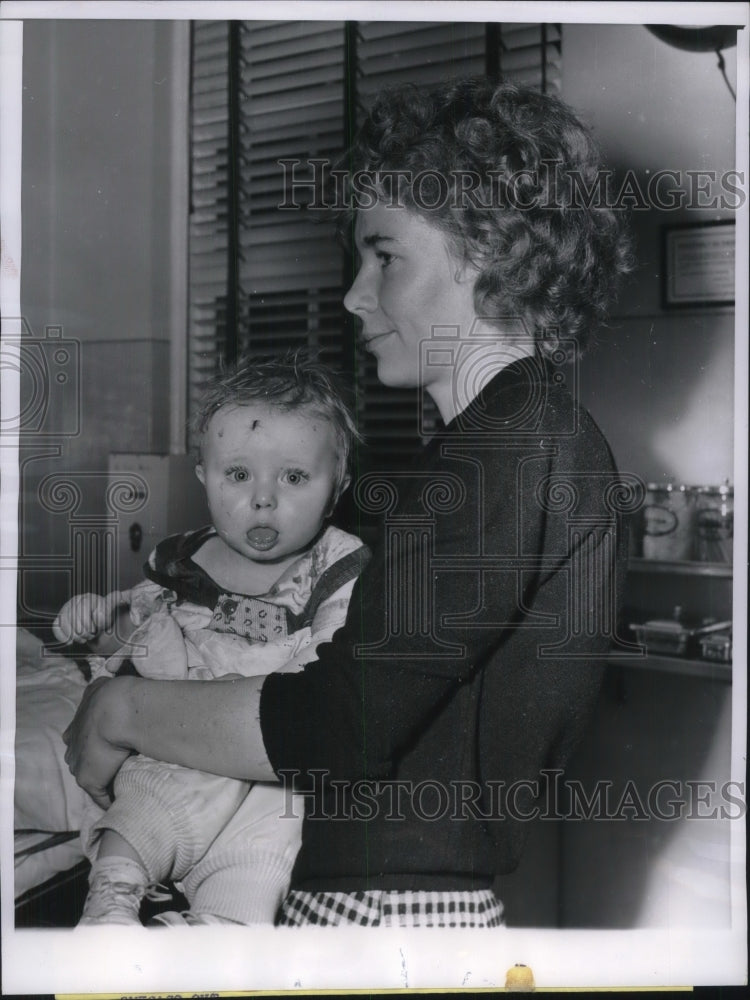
95	750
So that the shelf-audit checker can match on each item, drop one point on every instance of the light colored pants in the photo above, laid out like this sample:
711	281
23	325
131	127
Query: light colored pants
210	834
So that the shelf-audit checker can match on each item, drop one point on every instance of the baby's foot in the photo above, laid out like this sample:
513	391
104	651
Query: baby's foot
116	889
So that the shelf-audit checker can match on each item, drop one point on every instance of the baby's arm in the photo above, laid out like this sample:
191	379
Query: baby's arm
103	623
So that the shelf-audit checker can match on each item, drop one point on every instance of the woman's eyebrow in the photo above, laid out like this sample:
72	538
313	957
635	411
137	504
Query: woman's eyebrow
372	238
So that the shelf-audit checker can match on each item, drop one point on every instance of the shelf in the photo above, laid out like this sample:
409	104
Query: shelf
637	565
677	665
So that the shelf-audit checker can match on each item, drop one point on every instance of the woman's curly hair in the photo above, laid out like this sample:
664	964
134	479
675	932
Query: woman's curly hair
504	171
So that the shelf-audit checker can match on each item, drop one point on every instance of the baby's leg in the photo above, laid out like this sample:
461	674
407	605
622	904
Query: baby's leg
117	883
113	845
161	823
244	876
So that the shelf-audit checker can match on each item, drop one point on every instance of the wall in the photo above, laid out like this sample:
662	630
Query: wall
99	210
660	384
643	868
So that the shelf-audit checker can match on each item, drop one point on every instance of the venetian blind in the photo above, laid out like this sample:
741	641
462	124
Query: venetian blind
292	85
209	220
530	54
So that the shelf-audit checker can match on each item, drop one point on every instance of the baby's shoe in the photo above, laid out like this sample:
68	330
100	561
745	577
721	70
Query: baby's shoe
116	889
171	918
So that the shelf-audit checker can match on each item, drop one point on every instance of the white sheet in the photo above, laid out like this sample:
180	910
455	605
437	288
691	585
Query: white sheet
46	797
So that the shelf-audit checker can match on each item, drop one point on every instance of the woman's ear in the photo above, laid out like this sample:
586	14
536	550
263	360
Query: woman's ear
466	271
200	473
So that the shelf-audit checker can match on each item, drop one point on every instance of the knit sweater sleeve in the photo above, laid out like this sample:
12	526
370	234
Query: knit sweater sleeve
480	555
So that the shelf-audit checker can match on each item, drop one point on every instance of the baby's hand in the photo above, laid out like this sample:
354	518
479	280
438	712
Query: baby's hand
86	616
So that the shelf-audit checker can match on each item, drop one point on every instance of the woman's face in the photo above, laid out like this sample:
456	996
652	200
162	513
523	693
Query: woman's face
409	289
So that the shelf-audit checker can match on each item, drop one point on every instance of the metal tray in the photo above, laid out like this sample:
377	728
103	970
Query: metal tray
674	638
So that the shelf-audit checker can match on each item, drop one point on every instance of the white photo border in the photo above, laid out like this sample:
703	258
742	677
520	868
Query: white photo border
266	959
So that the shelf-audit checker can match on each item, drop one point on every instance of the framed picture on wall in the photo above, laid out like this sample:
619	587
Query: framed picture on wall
698	268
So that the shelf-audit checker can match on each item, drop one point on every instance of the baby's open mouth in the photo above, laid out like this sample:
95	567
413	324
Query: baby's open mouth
262	538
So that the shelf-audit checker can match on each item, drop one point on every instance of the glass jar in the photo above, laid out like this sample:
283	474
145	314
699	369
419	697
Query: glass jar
668	523
714	523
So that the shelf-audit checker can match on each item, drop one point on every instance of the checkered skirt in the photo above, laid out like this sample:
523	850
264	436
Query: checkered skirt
386	908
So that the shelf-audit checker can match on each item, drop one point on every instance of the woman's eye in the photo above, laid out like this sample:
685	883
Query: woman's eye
384	257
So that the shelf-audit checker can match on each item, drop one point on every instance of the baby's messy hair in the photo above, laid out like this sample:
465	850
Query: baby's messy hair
294	381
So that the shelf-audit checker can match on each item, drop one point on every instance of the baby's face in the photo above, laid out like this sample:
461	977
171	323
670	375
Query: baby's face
270	478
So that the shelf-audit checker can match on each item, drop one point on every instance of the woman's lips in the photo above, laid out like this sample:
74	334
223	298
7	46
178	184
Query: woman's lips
262	538
371	338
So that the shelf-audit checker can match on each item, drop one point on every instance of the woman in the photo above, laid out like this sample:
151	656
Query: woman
474	645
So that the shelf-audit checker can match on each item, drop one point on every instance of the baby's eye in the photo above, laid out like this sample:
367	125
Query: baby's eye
295	477
238	475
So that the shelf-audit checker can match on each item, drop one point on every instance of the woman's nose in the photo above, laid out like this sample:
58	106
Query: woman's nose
361	297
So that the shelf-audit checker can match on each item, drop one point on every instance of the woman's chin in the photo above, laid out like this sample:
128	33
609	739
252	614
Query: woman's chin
390	375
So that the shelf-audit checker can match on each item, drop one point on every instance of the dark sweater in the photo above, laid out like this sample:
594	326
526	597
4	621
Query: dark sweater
472	653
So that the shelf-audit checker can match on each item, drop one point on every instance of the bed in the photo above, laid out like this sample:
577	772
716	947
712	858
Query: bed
50	869
49	865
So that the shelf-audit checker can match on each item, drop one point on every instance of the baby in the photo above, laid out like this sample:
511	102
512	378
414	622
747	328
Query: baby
256	591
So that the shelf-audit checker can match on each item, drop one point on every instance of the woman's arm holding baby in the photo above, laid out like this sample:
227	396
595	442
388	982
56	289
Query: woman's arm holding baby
212	726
